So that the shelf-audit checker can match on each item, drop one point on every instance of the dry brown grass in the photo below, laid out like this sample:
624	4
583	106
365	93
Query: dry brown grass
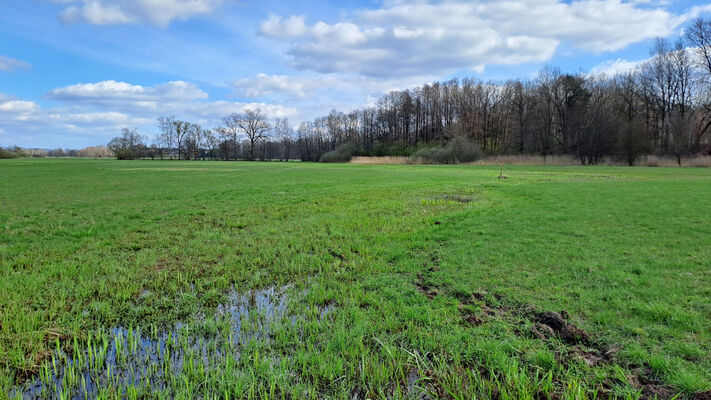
562	160
654	161
701	161
379	160
527	159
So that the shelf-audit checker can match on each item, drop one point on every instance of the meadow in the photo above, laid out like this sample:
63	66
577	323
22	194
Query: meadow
192	279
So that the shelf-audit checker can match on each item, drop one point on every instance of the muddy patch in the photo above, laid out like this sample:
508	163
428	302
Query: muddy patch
551	323
414	389
126	357
703	396
422	283
480	308
430	291
469	305
546	324
449	198
649	386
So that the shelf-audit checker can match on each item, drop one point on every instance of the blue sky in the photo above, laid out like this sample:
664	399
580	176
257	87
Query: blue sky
74	72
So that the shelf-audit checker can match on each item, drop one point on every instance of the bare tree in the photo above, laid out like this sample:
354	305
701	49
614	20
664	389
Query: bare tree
284	134
129	145
253	123
699	37
182	128
164	140
231	131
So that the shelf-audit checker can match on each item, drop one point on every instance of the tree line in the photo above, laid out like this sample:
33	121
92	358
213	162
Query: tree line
246	136
86	152
663	107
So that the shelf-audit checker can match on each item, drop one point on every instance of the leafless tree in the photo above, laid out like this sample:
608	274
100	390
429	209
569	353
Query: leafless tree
284	135
164	140
231	131
253	123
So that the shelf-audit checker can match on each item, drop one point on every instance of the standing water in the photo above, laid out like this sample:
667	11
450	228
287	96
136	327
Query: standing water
127	361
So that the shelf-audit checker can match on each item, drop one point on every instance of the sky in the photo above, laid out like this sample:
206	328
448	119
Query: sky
74	72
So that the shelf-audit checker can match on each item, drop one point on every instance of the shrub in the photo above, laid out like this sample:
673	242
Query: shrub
458	150
125	154
396	149
343	153
10	153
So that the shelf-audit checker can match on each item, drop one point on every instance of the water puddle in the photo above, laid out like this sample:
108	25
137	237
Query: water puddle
127	361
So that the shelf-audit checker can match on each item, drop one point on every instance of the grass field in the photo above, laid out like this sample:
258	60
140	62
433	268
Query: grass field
294	280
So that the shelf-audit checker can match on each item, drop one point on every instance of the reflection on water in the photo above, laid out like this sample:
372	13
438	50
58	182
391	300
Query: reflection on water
154	360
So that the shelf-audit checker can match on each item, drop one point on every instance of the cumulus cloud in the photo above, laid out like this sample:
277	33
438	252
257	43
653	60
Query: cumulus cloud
419	36
91	113
264	85
18	106
184	99
156	12
275	25
112	91
110	117
9	64
616	67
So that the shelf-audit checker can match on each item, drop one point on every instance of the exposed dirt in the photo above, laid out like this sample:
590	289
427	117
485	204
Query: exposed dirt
428	290
161	265
421	284
548	325
471	318
651	387
551	321
458	198
593	357
336	255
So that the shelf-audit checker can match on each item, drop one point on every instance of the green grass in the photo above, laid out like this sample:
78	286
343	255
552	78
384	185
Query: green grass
405	258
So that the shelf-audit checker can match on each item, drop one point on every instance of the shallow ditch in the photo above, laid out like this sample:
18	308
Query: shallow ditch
124	359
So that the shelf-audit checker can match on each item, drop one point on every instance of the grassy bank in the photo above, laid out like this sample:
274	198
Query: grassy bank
437	279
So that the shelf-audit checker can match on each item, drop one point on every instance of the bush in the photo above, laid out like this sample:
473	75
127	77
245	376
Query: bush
396	149
125	154
10	153
343	153
458	150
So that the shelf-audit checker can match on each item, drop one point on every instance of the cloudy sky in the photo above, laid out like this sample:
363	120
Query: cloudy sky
73	72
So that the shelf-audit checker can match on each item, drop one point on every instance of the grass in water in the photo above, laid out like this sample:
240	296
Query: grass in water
146	280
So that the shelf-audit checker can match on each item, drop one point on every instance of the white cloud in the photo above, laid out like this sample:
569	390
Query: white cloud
18	106
110	117
264	85
622	66
183	99
616	67
406	38
9	64
15	112
92	113
156	12
211	114
293	26
113	92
